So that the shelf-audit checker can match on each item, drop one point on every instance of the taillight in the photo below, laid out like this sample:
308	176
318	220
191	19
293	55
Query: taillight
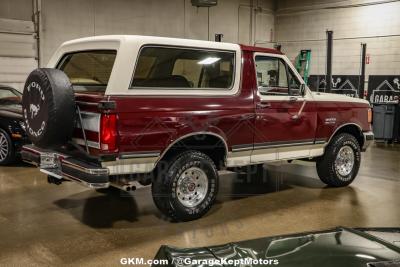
369	115
108	132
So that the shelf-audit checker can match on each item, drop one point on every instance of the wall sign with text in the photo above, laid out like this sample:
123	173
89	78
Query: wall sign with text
383	88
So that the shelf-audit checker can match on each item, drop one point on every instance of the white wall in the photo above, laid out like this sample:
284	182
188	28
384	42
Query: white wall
302	25
64	20
16	9
18	50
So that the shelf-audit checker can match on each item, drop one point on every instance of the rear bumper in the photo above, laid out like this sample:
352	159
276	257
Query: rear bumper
61	166
368	139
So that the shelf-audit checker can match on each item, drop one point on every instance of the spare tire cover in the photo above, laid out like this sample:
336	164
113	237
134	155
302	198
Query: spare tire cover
48	105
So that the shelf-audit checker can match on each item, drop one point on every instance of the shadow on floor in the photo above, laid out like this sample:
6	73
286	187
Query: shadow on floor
234	186
18	163
104	208
101	209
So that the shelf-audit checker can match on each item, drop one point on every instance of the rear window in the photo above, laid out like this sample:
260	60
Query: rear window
170	68
88	70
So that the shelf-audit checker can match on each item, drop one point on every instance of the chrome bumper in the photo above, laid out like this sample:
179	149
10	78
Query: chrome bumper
368	139
61	166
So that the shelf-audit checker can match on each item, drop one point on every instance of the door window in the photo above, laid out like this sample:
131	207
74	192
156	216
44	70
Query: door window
273	77
294	84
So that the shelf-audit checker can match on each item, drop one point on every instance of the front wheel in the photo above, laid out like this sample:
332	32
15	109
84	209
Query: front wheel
7	151
340	163
188	187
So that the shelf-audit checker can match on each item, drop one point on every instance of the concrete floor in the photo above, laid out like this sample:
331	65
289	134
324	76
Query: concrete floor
43	224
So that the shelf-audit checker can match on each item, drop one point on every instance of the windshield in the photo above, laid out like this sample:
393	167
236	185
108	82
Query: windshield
88	70
9	96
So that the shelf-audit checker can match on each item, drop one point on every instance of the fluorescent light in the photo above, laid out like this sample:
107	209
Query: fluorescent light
209	60
365	256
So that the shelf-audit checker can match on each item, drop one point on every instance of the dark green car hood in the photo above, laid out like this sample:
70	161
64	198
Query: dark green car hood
336	247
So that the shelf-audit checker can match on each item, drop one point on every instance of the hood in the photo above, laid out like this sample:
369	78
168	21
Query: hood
318	96
331	248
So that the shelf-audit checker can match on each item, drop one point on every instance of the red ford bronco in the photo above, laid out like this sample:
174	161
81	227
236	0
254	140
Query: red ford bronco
130	111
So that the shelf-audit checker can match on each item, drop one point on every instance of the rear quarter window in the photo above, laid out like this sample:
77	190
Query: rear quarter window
88	70
183	68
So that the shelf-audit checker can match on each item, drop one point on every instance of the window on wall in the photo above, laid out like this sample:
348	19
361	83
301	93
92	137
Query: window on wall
273	77
167	67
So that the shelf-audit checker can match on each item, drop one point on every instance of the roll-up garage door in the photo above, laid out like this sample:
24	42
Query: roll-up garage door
17	51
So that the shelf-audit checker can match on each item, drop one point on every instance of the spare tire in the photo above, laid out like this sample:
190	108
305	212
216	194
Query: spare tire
48	106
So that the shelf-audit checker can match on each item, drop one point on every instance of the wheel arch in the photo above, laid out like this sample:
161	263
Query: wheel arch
350	128
6	130
211	144
4	127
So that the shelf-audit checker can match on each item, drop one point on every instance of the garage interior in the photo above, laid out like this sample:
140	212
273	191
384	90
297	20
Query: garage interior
44	224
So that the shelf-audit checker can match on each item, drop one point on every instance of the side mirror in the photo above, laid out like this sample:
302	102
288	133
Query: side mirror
302	89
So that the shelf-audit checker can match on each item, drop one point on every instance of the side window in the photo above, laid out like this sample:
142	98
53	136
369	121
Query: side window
185	68
271	76
294	84
189	69
145	65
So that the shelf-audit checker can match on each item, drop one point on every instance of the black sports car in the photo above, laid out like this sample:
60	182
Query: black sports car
12	129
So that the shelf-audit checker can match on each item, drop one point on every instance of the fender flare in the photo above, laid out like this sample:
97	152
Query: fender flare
342	126
193	134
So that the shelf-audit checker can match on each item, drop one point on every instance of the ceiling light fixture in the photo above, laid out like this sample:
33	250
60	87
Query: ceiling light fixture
209	61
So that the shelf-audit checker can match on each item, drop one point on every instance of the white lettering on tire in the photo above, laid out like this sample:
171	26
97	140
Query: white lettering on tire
34	111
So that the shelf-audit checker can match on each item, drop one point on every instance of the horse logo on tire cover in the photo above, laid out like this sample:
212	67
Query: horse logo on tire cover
34	110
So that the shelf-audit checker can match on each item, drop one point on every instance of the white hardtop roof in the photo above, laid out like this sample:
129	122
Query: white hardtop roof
135	39
128	48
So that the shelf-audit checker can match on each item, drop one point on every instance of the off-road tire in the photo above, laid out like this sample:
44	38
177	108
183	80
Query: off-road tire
10	156
326	167
164	186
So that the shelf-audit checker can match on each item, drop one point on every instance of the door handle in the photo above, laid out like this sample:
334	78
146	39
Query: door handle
292	99
262	105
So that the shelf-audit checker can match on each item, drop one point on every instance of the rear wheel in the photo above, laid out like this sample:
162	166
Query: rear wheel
7	151
340	163
188	187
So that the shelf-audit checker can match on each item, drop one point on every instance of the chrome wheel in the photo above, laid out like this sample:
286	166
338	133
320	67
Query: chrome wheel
344	161
192	187
3	147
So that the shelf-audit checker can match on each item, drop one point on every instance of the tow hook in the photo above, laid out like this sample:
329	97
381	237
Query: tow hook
53	180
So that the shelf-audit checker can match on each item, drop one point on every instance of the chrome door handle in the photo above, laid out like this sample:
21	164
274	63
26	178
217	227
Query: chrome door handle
263	105
292	99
